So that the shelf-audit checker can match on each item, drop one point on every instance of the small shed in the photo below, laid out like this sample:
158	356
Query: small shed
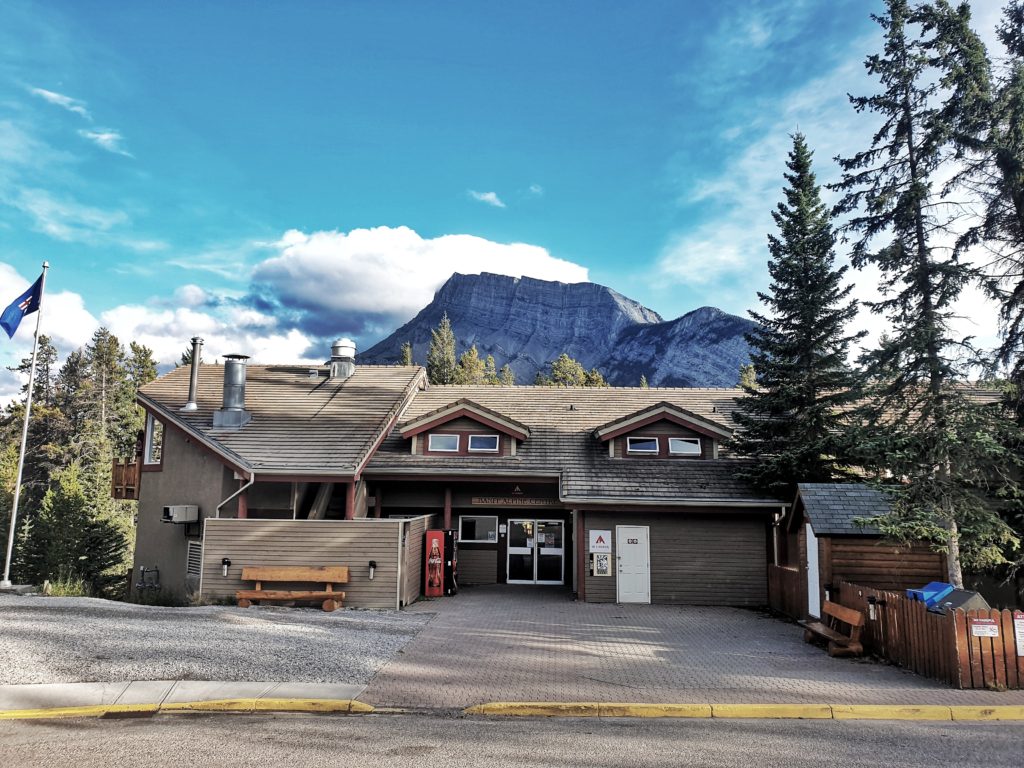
819	542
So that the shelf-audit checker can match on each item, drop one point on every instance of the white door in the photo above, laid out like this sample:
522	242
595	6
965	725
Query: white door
633	554
813	579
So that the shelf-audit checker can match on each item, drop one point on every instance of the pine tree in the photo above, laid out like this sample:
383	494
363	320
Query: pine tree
470	369
799	380
643	382
490	371
406	354
748	377
506	376
918	426
441	354
568	372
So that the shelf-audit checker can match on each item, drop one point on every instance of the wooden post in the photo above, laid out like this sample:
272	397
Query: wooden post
350	500
378	502
447	508
581	557
243	505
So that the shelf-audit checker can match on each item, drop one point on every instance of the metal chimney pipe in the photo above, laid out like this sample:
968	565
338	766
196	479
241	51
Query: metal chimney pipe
193	382
234	382
343	359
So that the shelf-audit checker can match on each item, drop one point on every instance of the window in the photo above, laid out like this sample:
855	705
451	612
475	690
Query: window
481	530
154	447
448	443
684	446
642	444
483	443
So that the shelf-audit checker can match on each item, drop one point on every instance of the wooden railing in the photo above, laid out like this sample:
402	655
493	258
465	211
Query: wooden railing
957	647
787	591
125	475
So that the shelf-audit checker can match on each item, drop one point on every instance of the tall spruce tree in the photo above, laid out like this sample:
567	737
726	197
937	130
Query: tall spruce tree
471	369
791	415
918	424
441	354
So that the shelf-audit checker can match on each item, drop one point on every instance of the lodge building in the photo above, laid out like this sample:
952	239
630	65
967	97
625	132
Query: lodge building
615	494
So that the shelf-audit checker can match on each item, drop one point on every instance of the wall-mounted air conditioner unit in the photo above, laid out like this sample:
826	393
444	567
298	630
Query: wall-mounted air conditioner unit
181	513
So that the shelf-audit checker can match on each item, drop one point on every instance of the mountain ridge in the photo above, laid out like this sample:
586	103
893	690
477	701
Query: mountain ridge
526	323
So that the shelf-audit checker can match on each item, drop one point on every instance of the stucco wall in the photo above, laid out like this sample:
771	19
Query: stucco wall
188	475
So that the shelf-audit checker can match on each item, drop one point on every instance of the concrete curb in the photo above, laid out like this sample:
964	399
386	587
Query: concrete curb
748	711
246	705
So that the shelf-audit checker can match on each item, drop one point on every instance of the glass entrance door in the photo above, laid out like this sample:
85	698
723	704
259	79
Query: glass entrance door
536	552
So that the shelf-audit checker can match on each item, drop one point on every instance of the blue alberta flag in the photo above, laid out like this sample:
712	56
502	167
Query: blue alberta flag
25	304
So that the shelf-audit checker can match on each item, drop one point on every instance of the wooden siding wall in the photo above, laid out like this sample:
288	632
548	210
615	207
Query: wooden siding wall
872	562
478	566
695	560
306	542
413	532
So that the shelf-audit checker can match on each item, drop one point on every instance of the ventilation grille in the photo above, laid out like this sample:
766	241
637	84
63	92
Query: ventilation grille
195	558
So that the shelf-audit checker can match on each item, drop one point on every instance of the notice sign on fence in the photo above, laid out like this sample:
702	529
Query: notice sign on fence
1018	630
984	628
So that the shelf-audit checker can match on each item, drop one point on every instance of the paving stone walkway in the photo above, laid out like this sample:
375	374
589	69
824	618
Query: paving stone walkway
507	643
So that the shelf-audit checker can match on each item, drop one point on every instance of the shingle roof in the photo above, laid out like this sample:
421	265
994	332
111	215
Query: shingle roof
561	444
463	406
300	424
831	508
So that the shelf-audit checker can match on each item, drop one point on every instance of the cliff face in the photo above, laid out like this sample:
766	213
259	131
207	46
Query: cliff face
527	323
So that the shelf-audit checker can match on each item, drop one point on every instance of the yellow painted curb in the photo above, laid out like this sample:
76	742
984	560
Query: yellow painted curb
655	710
889	712
90	710
987	713
537	709
214	705
775	711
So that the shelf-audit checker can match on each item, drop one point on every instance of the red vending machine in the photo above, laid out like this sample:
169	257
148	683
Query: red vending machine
441	553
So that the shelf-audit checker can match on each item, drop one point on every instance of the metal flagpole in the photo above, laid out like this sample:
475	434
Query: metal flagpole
5	583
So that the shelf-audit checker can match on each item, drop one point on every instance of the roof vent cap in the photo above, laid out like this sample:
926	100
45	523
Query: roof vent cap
343	359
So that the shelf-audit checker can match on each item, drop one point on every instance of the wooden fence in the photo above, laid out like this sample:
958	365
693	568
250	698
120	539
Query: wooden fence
966	649
787	590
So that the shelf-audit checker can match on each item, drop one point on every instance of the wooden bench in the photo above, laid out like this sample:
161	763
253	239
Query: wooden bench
327	575
840	642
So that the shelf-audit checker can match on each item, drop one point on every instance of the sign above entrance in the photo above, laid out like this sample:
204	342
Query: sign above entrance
601	542
512	501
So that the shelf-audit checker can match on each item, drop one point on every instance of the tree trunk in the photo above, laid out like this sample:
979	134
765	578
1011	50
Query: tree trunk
956	576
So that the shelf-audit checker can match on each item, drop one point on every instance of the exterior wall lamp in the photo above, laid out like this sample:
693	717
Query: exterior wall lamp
225	563
373	567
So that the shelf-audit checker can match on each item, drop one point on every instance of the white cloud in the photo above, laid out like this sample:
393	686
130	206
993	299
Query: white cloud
536	190
491	198
191	295
59	99
391	272
167	333
65	219
106	138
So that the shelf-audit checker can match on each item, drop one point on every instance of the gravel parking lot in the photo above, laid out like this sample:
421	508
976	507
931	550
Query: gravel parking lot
65	640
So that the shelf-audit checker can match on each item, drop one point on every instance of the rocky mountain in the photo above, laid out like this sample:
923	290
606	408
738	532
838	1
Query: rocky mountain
527	323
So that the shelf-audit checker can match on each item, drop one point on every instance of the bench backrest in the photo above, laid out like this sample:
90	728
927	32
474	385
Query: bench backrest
326	574
846	615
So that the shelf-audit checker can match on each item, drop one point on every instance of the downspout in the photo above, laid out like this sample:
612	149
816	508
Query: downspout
236	494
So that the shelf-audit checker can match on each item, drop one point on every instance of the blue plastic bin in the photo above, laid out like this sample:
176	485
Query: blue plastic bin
930	593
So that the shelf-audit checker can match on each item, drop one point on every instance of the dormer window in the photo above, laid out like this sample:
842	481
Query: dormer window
684	446
483	443
642	445
443	443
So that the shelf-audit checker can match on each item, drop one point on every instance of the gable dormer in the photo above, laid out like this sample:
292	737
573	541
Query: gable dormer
664	431
464	428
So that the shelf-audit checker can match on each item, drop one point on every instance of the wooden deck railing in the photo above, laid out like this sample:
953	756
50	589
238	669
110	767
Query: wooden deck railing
125	478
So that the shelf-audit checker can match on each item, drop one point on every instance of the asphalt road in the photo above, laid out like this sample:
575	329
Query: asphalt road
436	740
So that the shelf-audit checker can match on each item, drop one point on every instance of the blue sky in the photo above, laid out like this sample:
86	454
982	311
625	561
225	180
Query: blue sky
271	175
